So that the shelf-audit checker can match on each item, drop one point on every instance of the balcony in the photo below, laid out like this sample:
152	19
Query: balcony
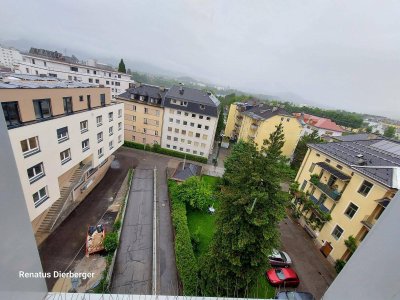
251	136
253	126
321	206
369	222
338	174
331	193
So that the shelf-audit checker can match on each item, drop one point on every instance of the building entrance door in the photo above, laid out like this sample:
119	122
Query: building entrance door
326	249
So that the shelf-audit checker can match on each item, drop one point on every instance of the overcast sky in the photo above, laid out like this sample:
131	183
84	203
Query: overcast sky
342	54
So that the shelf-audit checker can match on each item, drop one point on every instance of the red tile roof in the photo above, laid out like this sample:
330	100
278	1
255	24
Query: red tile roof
319	122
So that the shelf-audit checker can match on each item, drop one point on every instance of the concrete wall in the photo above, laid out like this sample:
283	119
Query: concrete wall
373	272
18	247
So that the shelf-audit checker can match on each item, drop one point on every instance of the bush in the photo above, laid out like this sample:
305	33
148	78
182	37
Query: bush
186	262
158	149
111	241
117	225
339	265
195	239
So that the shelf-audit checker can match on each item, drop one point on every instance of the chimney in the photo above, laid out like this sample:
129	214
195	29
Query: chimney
181	90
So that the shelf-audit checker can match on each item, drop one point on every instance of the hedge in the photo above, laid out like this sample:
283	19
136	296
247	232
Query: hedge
186	262
157	149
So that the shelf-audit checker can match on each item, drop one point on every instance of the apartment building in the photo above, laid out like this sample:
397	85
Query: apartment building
353	182
323	126
42	62
8	56
256	123
190	120
63	135
143	113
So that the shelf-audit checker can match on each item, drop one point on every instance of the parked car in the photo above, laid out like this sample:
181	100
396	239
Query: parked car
279	258
286	277
290	295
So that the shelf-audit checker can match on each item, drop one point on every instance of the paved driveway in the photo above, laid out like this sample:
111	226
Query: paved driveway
315	272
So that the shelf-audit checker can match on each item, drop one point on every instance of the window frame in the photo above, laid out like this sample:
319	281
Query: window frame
66	158
36	176
41	199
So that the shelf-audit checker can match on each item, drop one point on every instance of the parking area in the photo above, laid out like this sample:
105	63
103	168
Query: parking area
315	272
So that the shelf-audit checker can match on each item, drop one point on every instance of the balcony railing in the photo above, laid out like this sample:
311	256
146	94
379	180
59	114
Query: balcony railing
331	193
368	221
322	207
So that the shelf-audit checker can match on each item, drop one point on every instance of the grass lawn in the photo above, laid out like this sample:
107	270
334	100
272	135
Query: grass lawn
204	223
210	180
262	289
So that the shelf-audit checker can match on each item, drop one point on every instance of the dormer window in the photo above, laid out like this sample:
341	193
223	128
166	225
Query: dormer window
202	106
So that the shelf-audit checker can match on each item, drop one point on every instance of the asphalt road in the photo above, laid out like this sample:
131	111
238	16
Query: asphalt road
65	244
133	271
314	271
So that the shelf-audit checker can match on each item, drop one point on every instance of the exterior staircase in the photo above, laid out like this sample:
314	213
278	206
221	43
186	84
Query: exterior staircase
54	211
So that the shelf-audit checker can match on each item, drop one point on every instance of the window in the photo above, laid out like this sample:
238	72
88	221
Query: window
184	122
190	133
312	167
192	124
178	121
199	126
11	113
42	108
189	142
337	232
206	127
176	130
175	139
197	135
120	126
365	188
107	82
181	149
182	140
186	114
111	130
35	173
119	113
303	186
168	137
100	152
156	132
40	196
119	138
110	116
179	112
30	146
90	80
201	116
168	146
169	128
208	118
65	156
203	145
103	99
99	120
111	145
146	110
351	210
89	104
205	136
74	69
97	81
67	105
194	151
45	64
202	106
80	98
88	71
33	61
174	147
84	126
328	160
183	132
193	115
100	137
201	153
133	138
62	134
171	120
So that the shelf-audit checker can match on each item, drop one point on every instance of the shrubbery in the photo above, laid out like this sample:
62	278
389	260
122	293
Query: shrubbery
158	149
186	262
111	241
196	193
339	265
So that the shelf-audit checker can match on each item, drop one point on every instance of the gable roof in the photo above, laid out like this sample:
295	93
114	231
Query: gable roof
183	172
146	90
319	122
264	112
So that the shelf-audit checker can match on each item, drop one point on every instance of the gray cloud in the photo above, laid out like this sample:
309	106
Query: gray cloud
342	54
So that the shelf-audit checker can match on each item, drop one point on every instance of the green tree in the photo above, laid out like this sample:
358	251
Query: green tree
121	66
390	132
368	129
251	206
301	148
220	124
195	192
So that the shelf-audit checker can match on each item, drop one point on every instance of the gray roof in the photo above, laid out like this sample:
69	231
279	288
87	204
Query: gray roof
22	81
195	98
356	137
264	112
188	171
376	159
146	90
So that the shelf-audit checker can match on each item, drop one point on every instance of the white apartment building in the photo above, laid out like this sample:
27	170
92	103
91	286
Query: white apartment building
63	135
8	56
190	120
42	62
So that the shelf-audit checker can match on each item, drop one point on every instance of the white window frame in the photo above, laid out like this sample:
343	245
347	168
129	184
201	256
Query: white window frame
84	129
36	175
66	158
100	152
87	147
99	123
110	130
41	198
99	140
111	145
30	150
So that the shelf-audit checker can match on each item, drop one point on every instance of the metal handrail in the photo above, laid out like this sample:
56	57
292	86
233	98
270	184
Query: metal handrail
71	190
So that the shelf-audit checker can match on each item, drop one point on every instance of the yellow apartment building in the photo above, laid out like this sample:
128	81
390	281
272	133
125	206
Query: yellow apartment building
143	113
256	123
353	182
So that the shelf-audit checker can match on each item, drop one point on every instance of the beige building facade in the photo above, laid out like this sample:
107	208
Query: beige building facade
143	114
352	182
63	136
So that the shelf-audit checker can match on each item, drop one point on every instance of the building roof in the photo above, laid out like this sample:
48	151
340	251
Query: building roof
24	81
195	98
376	159
333	171
318	122
146	90
357	137
184	171
264	112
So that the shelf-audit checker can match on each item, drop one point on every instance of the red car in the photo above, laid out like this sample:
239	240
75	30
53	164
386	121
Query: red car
286	277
